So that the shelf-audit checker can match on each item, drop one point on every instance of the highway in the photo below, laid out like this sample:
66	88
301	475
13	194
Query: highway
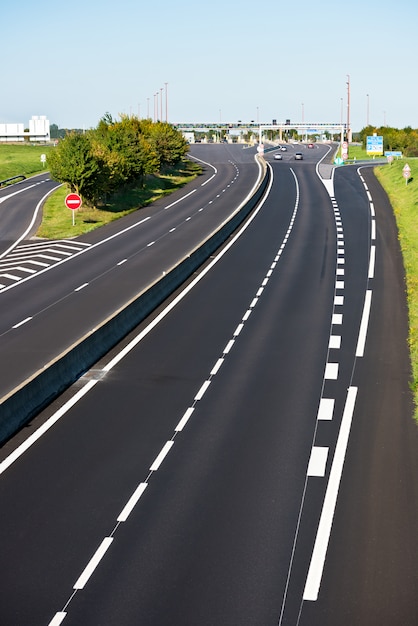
74	290
246	455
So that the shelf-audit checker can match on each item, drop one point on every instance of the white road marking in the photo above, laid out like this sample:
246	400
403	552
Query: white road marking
228	346
335	342
202	390
184	419
93	563
316	567
161	456
364	324
331	371
28	319
372	261
326	409
216	367
129	506
318	461
57	619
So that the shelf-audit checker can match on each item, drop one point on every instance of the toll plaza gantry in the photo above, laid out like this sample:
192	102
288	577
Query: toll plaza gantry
304	129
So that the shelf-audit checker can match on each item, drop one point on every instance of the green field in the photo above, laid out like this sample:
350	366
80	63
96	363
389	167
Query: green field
24	159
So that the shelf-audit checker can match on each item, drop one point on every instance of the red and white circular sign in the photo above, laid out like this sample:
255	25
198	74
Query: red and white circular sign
73	201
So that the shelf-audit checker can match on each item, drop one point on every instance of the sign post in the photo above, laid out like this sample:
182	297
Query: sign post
73	202
406	172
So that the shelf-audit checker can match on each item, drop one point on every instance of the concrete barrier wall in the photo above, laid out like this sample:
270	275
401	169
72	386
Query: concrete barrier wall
33	395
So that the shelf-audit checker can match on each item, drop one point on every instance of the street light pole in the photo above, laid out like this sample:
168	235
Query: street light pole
348	109
166	102
367	116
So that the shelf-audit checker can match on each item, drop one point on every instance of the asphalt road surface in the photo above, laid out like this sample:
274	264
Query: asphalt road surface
248	455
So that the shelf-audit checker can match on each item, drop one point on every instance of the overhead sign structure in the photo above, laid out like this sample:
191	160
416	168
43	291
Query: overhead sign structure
73	201
374	145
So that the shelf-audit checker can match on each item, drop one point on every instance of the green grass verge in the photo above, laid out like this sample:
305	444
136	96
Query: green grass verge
57	221
404	200
21	159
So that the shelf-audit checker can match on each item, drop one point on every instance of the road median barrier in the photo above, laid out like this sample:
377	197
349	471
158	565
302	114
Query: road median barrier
19	406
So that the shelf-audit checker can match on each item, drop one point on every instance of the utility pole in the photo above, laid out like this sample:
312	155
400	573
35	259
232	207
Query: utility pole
348	109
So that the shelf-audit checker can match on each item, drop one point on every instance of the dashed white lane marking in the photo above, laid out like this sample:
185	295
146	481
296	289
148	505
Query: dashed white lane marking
334	342
202	390
331	371
326	409
337	318
129	506
161	456
187	415
58	618
364	324
318	461
372	261
81	287
93	563
27	319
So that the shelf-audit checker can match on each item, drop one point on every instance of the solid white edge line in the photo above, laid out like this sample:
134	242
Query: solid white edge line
127	509
45	427
364	324
93	563
161	456
316	567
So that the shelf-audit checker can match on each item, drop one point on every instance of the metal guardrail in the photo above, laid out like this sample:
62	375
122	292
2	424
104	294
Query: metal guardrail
9	180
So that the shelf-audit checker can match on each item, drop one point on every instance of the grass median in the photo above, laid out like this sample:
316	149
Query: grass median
57	219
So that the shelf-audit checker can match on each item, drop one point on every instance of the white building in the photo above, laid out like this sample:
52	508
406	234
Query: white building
38	130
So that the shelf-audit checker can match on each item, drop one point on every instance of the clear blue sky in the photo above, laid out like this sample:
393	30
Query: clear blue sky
222	60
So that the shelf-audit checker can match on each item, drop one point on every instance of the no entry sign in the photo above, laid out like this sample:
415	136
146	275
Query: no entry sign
73	201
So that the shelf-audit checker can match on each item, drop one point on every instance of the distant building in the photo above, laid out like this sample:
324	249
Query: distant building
38	131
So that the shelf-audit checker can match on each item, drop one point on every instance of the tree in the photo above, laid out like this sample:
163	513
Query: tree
74	163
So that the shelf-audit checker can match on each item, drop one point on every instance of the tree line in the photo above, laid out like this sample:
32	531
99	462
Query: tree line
101	161
405	140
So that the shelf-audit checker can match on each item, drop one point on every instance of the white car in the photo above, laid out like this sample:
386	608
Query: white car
278	157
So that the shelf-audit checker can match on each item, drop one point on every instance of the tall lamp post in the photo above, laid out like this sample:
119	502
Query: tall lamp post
166	102
367	112
348	109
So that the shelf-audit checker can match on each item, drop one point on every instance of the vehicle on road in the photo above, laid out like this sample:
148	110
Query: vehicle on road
283	148
298	156
310	145
278	157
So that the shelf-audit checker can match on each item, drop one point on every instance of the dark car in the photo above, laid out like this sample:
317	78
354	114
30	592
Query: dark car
298	156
